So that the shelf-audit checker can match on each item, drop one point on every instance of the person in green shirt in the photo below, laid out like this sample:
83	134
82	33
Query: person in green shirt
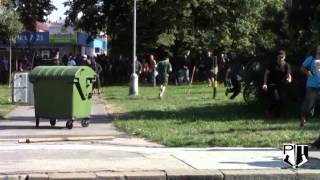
164	68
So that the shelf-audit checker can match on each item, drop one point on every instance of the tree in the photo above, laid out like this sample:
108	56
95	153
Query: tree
10	27
302	26
239	26
33	11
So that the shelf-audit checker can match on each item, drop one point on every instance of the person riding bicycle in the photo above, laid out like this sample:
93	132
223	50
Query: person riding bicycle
277	75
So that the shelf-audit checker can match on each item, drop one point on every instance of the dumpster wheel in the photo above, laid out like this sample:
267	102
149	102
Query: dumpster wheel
85	122
53	122
69	124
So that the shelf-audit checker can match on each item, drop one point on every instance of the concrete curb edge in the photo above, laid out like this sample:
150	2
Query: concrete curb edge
266	174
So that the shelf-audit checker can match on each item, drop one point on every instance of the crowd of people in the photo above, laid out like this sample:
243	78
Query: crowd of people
277	76
119	69
159	69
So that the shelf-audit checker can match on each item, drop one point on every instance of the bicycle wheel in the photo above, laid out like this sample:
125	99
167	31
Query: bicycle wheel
250	94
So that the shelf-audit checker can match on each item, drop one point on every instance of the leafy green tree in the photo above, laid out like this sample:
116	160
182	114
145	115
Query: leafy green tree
33	11
10	27
242	26
303	26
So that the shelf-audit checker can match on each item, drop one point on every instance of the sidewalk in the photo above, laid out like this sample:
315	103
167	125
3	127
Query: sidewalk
126	156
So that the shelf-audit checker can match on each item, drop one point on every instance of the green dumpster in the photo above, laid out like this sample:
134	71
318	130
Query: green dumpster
62	92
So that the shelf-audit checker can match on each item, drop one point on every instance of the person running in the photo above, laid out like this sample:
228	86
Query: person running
209	69
277	75
164	68
311	67
233	76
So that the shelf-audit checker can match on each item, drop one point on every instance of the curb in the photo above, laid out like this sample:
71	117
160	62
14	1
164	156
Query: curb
269	174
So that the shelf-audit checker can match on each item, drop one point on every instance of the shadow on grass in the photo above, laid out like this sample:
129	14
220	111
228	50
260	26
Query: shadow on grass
228	112
222	113
314	127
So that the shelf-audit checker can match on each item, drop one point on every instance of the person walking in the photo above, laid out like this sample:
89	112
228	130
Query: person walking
222	69
152	70
145	71
71	61
277	75
4	69
311	68
91	62
164	67
183	74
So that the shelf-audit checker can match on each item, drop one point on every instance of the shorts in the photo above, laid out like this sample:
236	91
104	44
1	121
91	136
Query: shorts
163	80
210	74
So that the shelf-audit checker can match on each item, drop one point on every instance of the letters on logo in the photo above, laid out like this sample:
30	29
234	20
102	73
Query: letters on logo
295	155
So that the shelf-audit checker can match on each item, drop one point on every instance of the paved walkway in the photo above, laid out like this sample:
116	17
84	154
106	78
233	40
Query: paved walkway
124	153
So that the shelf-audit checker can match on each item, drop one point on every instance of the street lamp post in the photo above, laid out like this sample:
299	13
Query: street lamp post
134	80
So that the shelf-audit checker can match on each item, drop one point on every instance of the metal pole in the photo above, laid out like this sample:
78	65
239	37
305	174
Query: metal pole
134	35
10	63
134	77
215	72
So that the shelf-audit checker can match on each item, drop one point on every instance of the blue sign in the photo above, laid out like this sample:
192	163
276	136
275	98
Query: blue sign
33	38
82	39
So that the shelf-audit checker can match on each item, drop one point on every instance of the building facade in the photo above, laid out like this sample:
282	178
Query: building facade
52	39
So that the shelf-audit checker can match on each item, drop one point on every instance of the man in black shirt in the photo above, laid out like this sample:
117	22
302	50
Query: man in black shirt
276	76
233	75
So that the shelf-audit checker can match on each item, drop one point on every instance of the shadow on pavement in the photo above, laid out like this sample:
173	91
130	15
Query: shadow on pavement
232	149
94	119
313	163
29	127
15	122
262	164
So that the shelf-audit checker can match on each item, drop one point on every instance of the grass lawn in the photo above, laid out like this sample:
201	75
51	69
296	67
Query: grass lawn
198	120
5	105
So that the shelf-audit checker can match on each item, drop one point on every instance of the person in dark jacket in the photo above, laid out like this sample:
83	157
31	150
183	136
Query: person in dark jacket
233	75
277	75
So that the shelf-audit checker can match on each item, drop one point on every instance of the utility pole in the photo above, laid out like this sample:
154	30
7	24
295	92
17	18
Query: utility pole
215	72
134	80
